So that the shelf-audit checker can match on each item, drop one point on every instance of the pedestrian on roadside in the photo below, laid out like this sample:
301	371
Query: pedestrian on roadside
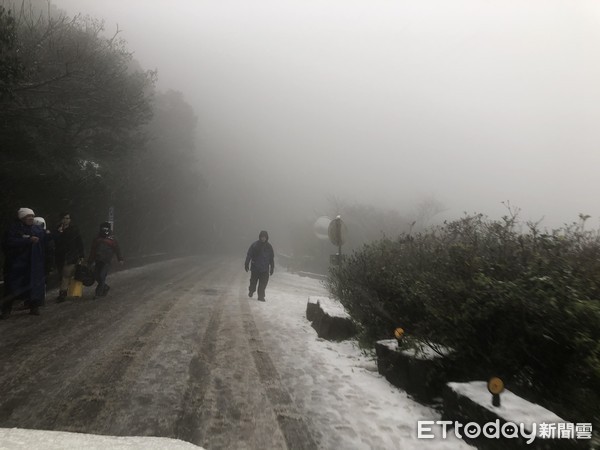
49	247
68	252
23	247
104	248
262	257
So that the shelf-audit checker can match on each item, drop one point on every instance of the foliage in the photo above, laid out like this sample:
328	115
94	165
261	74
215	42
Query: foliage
82	129
367	223
364	222
76	103
10	66
160	196
525	305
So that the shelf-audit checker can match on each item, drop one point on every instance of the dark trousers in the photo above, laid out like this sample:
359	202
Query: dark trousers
100	273
7	300
262	278
22	292
6	303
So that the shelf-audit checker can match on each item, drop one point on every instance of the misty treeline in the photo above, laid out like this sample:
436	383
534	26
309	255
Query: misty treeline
510	299
82	129
365	223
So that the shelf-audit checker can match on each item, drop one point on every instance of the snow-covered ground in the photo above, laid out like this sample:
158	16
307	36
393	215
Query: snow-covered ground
334	385
512	409
17	438
351	406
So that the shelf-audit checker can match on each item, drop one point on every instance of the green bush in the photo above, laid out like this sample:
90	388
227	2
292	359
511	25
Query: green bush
522	305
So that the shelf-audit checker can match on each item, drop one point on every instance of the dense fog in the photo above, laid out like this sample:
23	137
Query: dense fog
305	105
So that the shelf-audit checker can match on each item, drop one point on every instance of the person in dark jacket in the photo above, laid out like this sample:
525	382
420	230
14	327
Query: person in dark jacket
48	247
104	248
262	256
23	246
68	252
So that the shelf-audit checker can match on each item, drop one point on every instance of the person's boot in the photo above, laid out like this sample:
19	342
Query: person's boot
34	311
62	296
250	294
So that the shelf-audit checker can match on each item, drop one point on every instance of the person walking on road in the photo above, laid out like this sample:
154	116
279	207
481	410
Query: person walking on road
104	248
23	247
68	252
262	257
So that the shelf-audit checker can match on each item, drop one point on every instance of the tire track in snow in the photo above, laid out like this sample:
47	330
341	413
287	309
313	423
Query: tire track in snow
188	424
75	377
292	424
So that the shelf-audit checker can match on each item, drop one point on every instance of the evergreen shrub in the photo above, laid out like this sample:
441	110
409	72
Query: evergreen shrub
524	305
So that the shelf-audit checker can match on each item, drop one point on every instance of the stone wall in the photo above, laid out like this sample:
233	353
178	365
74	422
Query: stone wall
330	322
422	375
471	402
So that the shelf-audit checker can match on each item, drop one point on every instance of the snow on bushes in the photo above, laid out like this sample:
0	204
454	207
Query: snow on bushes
510	299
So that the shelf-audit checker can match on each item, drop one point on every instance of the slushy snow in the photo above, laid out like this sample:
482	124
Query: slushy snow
335	385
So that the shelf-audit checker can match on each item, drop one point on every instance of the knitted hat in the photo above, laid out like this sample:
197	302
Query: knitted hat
40	222
24	212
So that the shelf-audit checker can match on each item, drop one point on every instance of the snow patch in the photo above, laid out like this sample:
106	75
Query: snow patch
330	306
19	438
422	352
336	384
512	407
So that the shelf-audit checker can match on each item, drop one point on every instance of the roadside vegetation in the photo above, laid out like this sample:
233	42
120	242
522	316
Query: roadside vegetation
508	298
82	129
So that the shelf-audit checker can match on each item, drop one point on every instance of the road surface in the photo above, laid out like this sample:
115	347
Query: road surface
173	351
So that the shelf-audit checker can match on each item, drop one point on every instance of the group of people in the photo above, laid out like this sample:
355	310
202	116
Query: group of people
31	250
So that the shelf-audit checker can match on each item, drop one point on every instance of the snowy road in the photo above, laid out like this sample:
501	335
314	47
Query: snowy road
178	350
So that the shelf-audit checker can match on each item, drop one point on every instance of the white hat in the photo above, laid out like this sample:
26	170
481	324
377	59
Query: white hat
24	212
39	221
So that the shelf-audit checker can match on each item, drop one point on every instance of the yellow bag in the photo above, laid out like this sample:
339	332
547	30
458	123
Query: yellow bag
75	288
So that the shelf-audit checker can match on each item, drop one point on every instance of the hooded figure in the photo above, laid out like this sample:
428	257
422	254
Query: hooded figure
262	257
104	248
23	247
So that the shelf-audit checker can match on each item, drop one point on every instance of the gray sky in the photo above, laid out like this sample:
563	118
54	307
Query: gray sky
385	102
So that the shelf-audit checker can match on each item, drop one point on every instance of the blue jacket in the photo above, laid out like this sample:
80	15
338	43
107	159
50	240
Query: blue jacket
262	256
25	277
